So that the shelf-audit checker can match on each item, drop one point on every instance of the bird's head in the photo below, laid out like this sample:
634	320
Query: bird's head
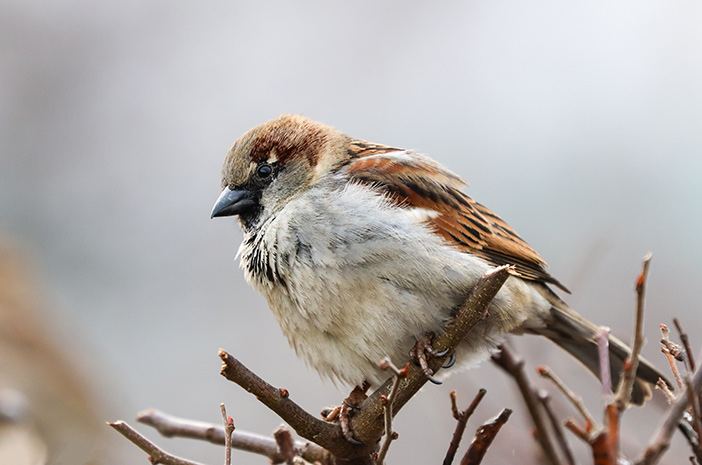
274	162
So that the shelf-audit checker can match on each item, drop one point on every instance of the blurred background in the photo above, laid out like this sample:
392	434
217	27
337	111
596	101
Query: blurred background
580	123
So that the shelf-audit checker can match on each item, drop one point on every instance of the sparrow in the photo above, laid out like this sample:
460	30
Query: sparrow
363	249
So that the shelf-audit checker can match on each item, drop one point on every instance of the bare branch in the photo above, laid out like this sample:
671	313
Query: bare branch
470	314
462	418
327	435
574	399
515	367
156	454
387	402
286	444
228	430
663	386
661	441
171	426
483	438
671	352
364	423
686	344
556	427
628	378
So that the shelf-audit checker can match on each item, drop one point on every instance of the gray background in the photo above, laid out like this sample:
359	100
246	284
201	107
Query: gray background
578	122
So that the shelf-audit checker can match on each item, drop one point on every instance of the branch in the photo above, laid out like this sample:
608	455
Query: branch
556	427
462	418
327	435
364	423
387	402
661	441
515	367
483	438
574	399
628	378
156	454
171	426
229	428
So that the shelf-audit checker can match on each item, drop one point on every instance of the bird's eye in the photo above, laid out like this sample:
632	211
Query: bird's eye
264	171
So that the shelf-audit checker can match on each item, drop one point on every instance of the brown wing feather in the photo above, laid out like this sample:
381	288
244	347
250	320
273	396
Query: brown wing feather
416	181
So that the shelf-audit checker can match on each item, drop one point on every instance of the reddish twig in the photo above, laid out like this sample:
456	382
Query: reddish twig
628	376
483	438
462	418
228	430
156	454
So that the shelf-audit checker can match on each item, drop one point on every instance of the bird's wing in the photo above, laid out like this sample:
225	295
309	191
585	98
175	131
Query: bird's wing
416	181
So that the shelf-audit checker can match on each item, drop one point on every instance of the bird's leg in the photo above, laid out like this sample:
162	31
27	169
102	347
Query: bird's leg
343	412
423	349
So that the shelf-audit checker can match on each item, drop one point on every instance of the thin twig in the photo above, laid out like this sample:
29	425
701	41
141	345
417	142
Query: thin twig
686	344
668	348
661	441
462	418
483	438
156	454
602	340
574	398
663	386
171	426
515	367
556	427
628	377
676	350
578	431
695	419
228	430
390	435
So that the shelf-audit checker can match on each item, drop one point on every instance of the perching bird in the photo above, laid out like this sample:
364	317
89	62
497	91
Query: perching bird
361	249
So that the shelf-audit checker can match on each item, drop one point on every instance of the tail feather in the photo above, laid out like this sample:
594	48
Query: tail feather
577	336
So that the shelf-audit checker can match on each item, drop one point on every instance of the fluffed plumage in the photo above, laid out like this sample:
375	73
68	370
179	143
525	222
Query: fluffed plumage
361	248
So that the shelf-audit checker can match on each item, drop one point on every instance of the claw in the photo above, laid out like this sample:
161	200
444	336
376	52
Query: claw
440	354
354	441
451	361
434	380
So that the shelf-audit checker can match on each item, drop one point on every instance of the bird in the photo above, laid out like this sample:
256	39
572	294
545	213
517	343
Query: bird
362	250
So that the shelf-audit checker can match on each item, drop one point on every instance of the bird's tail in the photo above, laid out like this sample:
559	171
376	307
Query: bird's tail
576	335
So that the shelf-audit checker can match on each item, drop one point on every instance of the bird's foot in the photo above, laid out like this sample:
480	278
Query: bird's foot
422	350
343	412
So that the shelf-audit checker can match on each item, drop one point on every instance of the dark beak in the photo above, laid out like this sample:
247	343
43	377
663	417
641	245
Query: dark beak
233	202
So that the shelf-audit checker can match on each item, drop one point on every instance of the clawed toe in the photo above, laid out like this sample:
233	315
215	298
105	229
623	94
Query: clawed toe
423	349
342	413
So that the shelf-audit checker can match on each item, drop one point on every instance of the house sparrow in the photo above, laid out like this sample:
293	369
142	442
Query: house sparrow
361	249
